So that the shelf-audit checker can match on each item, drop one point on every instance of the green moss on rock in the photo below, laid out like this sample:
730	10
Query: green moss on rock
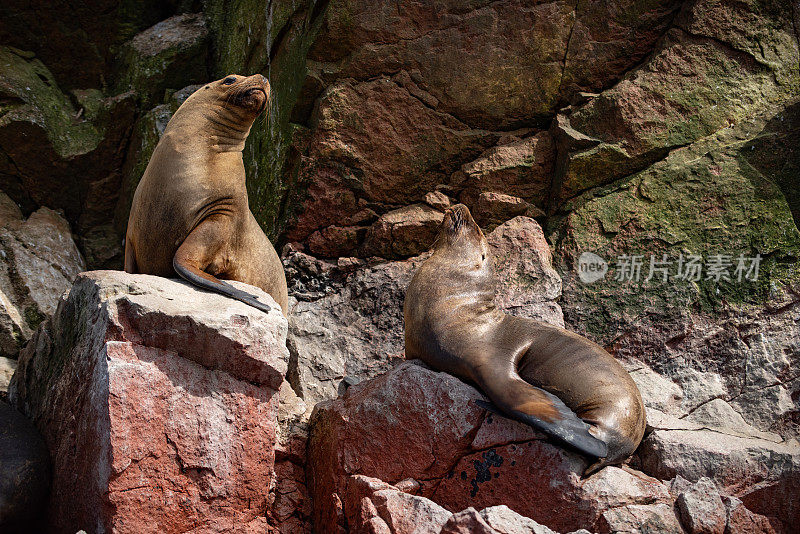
30	94
705	199
170	55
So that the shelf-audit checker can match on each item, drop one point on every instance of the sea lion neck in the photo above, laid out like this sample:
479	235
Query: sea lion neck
462	268
214	122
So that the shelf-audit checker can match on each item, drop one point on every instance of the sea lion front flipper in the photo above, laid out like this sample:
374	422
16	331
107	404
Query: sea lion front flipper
546	412
196	253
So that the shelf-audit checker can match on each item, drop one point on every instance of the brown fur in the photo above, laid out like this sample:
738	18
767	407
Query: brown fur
190	208
452	324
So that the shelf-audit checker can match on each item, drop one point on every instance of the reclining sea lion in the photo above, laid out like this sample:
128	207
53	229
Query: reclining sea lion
554	380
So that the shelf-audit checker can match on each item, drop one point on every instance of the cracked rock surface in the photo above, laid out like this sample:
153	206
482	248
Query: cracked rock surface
158	403
38	262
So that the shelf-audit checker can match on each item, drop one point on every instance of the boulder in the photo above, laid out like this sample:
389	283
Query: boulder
38	262
701	508
159	404
412	422
24	473
640	518
169	55
403	232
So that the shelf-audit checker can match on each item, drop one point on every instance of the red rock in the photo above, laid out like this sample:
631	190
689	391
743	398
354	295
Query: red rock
158	403
701	508
740	520
403	232
518	168
413	422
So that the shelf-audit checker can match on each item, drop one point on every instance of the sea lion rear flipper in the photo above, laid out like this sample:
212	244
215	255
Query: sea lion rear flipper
195	253
546	412
206	281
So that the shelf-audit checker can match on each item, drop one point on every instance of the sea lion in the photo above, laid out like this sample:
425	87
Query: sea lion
190	214
545	376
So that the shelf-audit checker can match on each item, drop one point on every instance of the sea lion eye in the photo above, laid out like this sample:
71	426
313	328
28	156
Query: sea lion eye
229	80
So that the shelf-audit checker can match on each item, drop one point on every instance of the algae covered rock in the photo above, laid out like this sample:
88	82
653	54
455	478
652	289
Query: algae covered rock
169	55
57	153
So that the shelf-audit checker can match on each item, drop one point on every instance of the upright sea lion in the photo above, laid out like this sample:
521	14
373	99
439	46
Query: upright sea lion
552	379
190	214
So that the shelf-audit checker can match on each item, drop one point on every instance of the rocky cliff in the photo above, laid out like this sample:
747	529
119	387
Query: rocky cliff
659	136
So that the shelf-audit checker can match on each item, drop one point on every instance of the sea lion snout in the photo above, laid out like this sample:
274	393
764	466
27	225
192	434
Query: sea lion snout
457	219
248	92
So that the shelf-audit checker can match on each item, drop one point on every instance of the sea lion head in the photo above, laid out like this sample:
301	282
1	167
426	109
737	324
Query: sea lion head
223	111
248	93
462	240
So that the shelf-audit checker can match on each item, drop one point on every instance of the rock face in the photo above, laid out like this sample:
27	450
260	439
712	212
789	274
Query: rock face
38	262
158	403
624	128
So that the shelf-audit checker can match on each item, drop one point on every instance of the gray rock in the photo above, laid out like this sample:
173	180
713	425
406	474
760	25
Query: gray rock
38	262
767	468
506	521
636	518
